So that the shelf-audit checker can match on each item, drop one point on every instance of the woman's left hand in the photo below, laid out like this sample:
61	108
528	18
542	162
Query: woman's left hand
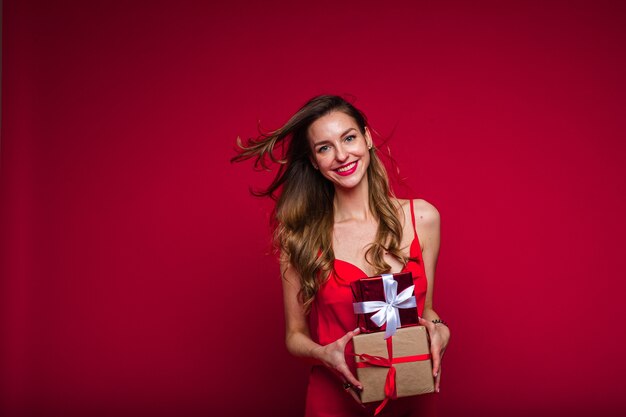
439	337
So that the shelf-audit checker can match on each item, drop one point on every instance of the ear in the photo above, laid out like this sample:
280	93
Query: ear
312	159
368	138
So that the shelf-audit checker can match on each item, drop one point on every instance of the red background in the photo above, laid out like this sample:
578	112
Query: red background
135	275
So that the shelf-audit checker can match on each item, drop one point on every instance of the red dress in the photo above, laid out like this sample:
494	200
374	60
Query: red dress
332	317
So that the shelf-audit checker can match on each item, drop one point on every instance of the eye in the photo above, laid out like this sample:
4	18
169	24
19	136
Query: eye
323	149
350	138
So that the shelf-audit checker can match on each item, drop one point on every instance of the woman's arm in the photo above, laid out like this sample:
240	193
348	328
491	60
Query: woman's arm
298	338
428	224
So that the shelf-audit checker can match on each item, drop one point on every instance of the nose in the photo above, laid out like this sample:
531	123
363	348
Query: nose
341	154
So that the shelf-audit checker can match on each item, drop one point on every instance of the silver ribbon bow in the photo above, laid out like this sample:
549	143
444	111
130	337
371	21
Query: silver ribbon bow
387	311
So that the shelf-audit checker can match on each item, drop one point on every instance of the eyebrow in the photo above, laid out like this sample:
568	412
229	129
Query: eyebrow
346	132
342	135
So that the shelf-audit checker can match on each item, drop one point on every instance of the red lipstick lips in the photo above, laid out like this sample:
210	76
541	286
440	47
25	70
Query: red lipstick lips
351	167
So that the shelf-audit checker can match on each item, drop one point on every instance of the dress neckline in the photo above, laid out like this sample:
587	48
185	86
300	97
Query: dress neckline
411	254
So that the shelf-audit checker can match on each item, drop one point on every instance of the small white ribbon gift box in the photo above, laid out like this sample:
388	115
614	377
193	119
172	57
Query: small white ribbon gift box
387	311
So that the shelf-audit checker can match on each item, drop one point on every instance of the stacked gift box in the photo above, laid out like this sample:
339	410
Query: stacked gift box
392	351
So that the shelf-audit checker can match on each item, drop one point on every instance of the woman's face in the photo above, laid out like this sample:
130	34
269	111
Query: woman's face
339	149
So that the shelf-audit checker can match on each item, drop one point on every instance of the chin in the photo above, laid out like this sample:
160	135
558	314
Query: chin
348	184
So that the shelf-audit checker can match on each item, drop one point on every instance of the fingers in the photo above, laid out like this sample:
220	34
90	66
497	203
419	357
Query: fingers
348	336
343	341
355	396
333	356
344	371
436	355
436	350
352	385
341	367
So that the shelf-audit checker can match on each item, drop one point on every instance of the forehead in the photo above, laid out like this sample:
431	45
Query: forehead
331	126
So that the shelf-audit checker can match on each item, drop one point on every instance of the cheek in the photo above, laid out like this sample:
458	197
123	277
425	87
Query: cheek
316	158
323	159
366	160
319	161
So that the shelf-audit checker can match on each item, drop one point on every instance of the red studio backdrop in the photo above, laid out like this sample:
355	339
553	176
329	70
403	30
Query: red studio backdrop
136	272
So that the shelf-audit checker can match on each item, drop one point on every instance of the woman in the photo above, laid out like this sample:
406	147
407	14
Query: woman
336	221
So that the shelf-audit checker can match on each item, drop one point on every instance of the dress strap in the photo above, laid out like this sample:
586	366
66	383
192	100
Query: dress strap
413	217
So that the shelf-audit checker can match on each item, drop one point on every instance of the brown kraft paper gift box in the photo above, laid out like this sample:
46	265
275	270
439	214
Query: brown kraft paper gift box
412	378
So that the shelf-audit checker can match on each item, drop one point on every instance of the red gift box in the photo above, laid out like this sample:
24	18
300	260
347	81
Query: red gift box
372	289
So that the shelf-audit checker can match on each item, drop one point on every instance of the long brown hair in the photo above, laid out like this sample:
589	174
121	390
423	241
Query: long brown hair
303	216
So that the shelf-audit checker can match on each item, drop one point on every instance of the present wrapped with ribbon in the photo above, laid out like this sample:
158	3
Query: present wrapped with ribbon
385	302
395	363
398	366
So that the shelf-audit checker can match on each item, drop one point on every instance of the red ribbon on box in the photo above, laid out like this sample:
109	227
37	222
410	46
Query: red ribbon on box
390	381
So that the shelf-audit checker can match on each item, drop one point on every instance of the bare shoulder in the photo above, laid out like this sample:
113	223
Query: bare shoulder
425	213
427	223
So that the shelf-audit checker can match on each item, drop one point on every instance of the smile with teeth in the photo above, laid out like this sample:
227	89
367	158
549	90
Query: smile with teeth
347	169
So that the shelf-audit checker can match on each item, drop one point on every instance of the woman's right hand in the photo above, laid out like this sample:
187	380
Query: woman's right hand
298	338
333	356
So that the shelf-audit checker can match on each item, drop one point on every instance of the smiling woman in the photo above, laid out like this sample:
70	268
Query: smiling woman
341	151
336	221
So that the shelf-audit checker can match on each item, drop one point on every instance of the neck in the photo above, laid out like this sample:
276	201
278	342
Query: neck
352	204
